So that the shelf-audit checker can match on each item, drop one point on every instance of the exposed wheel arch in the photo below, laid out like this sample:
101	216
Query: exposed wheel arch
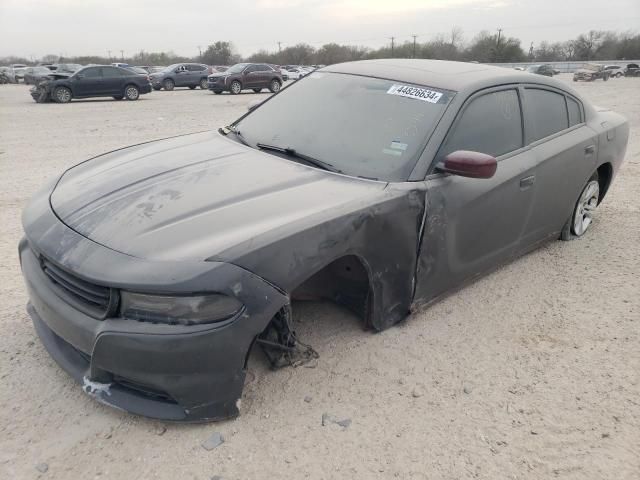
605	175
345	281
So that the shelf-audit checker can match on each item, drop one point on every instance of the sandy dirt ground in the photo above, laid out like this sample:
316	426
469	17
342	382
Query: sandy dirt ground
532	372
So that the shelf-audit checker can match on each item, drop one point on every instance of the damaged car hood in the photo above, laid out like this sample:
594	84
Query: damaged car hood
196	196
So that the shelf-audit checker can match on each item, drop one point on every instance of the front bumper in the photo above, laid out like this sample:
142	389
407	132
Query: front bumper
170	372
146	88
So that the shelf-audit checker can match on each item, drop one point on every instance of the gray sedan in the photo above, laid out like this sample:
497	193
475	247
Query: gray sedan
153	270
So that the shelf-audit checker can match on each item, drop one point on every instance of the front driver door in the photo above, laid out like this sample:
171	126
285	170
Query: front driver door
87	82
181	76
472	225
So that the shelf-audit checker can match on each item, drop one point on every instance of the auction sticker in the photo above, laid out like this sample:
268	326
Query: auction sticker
418	93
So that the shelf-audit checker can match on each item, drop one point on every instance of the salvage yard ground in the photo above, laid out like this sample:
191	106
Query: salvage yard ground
530	372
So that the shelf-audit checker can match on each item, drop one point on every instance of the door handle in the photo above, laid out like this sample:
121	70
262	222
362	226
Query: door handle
590	149
526	182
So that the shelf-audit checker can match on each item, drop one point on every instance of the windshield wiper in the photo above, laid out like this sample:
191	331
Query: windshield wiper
232	129
291	152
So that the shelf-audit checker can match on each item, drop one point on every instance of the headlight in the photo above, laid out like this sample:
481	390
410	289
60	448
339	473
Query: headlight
192	310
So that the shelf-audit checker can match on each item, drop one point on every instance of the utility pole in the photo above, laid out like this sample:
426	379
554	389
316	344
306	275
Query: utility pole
200	50
499	34
109	52
414	45
279	47
122	55
392	44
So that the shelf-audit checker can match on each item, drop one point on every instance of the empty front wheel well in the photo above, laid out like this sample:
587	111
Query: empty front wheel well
605	173
344	281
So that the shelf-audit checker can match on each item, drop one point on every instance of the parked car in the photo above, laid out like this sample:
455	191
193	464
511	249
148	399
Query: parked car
18	70
590	72
67	67
284	73
294	73
7	75
546	70
95	81
188	75
138	70
33	75
615	70
243	76
153	270
632	70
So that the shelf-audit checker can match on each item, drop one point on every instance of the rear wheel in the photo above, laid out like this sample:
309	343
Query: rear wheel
168	84
236	87
274	86
131	92
157	87
582	215
204	84
62	95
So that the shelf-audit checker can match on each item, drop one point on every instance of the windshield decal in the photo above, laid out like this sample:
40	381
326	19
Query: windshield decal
417	93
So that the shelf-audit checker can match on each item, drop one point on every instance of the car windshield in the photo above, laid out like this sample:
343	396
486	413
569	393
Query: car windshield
361	126
41	70
533	68
591	66
237	68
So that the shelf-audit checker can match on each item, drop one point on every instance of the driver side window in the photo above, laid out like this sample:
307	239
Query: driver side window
92	72
491	124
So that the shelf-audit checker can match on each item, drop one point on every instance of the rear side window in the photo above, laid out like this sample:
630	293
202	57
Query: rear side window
490	124
112	72
196	68
575	114
547	111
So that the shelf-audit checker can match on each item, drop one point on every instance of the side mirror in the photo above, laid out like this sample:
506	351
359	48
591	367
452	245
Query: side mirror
470	164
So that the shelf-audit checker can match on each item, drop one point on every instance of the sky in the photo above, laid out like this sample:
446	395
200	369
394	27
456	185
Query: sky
33	28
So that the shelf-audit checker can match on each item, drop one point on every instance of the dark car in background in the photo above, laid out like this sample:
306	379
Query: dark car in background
590	72
546	70
153	270
94	81
32	75
632	70
246	76
67	67
189	75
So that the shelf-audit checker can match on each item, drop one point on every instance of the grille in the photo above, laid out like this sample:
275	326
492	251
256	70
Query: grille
95	300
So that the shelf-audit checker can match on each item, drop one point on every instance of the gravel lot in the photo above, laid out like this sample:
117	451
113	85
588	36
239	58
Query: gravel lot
531	372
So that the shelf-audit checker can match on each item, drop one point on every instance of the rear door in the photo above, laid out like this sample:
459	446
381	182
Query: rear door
250	76
113	81
264	75
566	153
472	225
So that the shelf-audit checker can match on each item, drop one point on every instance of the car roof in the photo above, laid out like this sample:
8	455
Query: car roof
457	76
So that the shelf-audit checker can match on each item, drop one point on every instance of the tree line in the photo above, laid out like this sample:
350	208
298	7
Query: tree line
485	47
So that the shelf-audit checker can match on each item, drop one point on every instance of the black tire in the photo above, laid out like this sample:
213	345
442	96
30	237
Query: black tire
168	84
619	75
131	92
157	88
204	84
235	88
217	92
62	95
118	97
568	231
192	87
605	78
257	90
274	86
